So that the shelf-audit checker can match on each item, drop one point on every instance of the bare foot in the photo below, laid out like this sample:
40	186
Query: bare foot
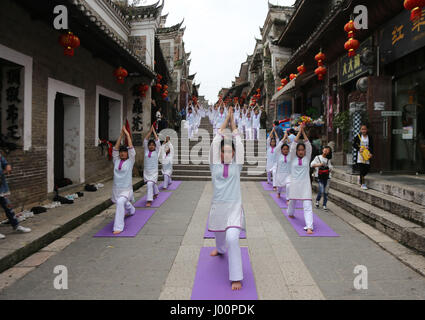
292	217
278	195
309	231
117	232
236	285
215	253
274	188
148	204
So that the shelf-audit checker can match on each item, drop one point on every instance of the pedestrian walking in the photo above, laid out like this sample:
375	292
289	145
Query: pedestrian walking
6	169
124	158
226	217
300	187
322	172
150	170
363	145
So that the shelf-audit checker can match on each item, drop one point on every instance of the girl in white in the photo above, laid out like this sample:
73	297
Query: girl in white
300	188
256	124
248	126
219	120
122	189
283	168
271	155
190	120
167	156
150	171
227	216
237	113
241	124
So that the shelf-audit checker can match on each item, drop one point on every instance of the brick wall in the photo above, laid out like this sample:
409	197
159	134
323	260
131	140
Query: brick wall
37	39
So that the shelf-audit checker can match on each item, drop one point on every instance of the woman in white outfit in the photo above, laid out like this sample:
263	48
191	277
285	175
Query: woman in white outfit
283	168
167	156
150	170
256	124
122	189
300	187
227	218
219	120
248	126
271	156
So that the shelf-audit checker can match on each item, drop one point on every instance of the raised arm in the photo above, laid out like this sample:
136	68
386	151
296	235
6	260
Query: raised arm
297	138
118	143
149	133
127	134
224	125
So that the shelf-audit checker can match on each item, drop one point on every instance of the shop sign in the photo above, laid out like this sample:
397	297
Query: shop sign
352	68
391	113
401	36
379	106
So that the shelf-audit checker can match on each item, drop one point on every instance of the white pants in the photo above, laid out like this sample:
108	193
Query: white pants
248	134
123	206
274	177
230	240
308	212
190	132
281	189
269	177
255	133
152	190
167	181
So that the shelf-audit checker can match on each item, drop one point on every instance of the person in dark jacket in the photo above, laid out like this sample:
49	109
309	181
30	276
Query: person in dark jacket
278	129
361	142
263	119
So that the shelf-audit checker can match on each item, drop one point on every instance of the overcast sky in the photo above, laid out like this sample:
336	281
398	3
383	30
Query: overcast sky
220	34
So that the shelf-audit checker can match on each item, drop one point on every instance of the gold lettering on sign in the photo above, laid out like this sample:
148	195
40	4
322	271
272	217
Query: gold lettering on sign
417	23
397	34
356	61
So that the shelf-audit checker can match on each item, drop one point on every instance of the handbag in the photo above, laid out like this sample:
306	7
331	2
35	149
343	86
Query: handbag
366	153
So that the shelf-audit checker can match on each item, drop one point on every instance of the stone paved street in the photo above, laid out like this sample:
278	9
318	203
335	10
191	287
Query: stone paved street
161	261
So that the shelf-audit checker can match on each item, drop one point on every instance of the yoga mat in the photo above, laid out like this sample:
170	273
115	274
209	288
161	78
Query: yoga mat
212	278
156	203
210	235
266	186
321	229
172	187
281	202
133	224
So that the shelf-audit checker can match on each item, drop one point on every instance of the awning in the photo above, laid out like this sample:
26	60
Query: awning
285	90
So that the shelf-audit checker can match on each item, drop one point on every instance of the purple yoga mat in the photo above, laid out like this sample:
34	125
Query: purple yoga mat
321	229
210	235
266	186
172	187
212	278
133	225
281	202
162	197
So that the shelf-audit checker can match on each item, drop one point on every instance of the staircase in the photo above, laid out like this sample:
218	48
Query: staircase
193	164
401	217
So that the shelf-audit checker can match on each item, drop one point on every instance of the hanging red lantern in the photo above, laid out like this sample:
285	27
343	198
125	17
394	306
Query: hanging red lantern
279	88
70	42
284	82
292	76
145	87
120	74
301	69
165	87
320	57
159	77
321	71
350	28
351	46
415	7
158	87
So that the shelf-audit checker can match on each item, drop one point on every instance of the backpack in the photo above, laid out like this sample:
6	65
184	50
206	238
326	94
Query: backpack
323	171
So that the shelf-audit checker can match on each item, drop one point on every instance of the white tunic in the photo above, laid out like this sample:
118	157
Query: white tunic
271	155
283	167
300	174
219	119
248	123
226	206
167	160
256	120
150	170
123	177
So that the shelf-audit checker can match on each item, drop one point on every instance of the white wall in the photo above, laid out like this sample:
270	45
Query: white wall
71	138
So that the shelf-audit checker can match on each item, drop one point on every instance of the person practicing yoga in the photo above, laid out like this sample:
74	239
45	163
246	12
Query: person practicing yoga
150	170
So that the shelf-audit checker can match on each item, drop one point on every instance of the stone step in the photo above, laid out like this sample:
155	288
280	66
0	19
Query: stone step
402	208
208	178
399	190
404	231
195	172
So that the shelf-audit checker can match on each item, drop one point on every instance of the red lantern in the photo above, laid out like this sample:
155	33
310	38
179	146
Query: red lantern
145	87
165	87
301	69
284	82
120	74
350	28
159	77
320	57
292	76
351	46
70	42
415	6
320	71
280	88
